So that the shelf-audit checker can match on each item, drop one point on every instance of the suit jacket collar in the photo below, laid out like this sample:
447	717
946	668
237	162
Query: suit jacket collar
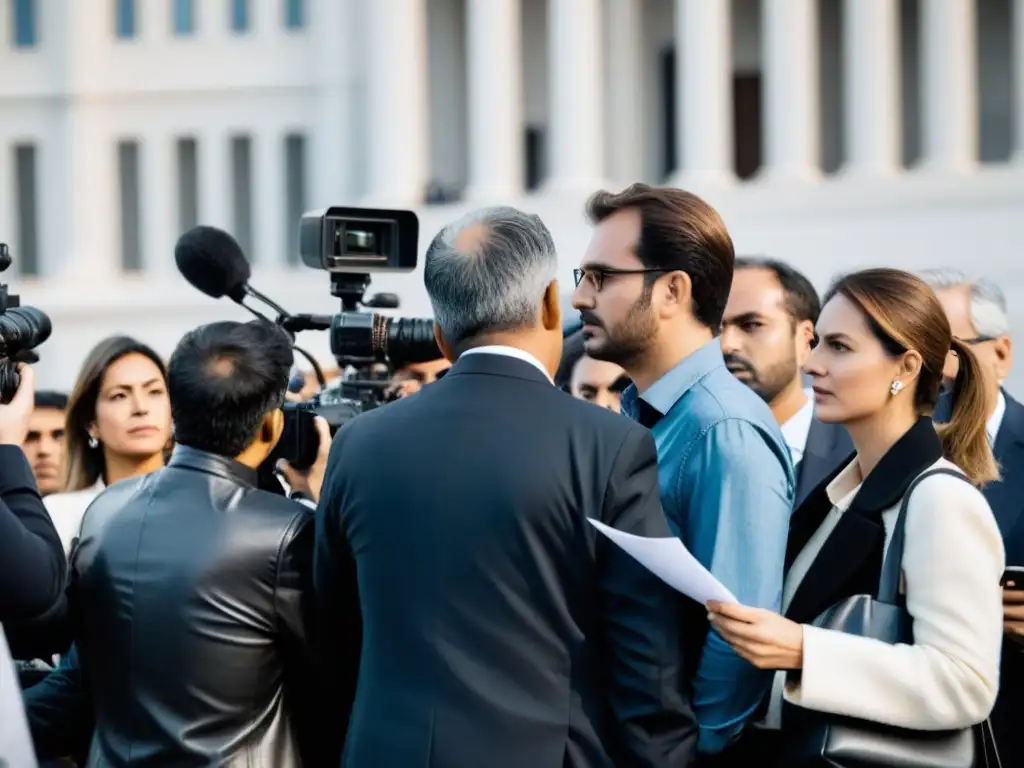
858	539
495	365
211	463
1007	506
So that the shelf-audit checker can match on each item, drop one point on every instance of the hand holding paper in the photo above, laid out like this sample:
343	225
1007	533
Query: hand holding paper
671	562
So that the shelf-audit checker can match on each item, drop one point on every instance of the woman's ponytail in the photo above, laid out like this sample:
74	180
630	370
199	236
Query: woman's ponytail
965	439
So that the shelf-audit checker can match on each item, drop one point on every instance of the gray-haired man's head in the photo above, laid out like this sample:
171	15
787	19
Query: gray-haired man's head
491	279
976	308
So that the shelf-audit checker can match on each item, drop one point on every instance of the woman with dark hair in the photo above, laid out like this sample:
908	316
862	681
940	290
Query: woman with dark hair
118	426
884	340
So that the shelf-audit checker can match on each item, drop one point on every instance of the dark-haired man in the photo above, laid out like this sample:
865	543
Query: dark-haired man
192	583
44	443
767	335
652	289
598	382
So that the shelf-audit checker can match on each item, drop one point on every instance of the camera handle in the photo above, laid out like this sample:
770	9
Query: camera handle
350	288
7	299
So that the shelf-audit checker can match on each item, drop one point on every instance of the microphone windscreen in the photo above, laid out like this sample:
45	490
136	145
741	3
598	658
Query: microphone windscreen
212	261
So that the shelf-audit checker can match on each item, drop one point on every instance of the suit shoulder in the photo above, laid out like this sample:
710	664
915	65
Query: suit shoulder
1014	410
601	419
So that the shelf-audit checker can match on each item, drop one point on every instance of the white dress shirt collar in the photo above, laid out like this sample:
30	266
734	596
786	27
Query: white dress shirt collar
995	421
501	349
796	429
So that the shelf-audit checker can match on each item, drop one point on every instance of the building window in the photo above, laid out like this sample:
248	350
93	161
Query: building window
188	185
24	23
295	192
26	215
241	191
131	230
125	19
536	167
184	20
294	14
240	15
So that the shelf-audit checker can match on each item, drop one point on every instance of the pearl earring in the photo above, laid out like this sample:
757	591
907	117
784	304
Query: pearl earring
93	442
896	388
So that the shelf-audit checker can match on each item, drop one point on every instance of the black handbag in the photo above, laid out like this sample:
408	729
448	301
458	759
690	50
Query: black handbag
813	738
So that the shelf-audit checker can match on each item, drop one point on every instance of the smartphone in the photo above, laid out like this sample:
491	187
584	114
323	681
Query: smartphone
1014	574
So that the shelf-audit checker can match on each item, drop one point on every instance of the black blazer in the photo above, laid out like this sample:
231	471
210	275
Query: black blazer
499	627
850	561
828	448
1006	498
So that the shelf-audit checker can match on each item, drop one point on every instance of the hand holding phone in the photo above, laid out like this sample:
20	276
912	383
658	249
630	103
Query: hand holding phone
1013	577
1013	603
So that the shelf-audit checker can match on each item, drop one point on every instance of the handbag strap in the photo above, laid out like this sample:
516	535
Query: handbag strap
889	581
989	757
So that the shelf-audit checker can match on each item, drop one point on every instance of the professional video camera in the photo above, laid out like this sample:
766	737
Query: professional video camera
350	244
22	329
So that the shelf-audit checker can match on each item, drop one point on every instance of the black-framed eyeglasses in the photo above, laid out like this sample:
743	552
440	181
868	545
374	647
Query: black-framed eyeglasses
596	275
977	340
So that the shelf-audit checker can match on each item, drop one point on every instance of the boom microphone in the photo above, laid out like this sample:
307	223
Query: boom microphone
212	261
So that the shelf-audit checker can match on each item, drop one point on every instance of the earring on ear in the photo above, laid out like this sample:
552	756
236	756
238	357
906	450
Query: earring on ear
896	388
93	442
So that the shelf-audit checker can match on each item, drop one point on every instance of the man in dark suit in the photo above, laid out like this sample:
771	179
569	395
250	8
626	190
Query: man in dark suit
497	626
977	315
767	334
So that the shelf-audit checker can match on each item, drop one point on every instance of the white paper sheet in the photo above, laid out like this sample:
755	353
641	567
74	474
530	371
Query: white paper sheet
671	562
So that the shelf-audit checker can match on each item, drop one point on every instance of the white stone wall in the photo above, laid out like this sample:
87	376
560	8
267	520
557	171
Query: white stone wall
395	93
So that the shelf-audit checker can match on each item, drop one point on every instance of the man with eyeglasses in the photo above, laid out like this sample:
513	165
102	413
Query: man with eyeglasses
977	314
652	290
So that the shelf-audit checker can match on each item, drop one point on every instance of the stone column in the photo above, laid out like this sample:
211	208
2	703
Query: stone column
792	101
871	69
495	103
949	71
576	147
159	186
627	136
399	125
704	131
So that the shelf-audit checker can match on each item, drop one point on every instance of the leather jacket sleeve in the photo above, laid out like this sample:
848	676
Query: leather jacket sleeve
293	593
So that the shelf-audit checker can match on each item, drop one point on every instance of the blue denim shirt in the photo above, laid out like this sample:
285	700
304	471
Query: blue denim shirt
727	487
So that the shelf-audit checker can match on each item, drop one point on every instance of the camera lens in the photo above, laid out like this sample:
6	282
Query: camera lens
360	241
24	328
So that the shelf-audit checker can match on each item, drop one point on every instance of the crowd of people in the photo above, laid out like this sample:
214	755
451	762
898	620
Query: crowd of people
429	592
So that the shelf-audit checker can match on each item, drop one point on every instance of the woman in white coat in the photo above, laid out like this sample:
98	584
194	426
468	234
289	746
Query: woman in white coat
877	369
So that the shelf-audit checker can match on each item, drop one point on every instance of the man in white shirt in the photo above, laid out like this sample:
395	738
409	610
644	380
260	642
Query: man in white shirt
767	334
977	314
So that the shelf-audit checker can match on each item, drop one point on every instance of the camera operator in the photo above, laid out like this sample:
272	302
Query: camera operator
223	589
413	377
32	565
